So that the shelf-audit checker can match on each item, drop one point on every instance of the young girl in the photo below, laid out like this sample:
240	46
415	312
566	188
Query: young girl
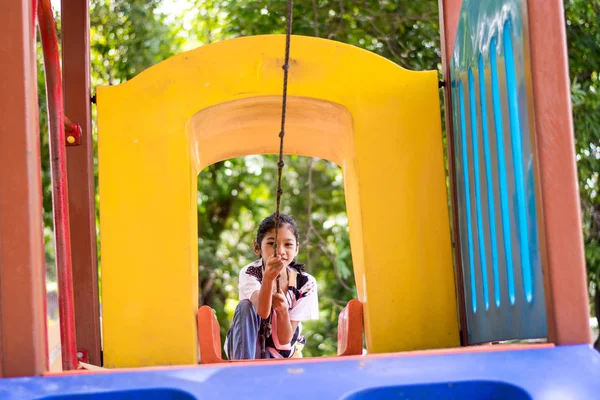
295	302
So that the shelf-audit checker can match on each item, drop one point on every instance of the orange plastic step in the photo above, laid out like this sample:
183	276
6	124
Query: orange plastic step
209	336
350	329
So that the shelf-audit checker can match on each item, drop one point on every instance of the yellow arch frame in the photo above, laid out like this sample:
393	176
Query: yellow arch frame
379	122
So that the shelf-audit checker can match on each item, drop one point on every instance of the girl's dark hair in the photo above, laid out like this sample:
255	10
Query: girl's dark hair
284	220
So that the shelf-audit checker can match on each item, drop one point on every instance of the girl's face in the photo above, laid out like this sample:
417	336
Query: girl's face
287	246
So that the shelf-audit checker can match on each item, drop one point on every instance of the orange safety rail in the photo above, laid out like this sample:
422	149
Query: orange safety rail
209	336
350	329
350	333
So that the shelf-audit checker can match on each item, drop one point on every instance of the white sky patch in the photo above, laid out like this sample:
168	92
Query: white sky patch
179	13
168	6
175	8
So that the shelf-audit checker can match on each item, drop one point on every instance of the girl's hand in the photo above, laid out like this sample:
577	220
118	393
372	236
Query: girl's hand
280	304
273	268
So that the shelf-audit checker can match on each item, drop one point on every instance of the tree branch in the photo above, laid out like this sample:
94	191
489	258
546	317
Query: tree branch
311	229
333	261
316	17
309	212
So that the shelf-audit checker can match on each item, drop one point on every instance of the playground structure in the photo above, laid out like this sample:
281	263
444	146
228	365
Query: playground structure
511	267
143	152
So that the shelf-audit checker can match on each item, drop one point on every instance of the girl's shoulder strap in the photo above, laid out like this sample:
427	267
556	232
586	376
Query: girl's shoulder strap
293	278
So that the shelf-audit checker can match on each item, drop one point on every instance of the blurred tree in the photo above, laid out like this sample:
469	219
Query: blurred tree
583	36
404	31
128	36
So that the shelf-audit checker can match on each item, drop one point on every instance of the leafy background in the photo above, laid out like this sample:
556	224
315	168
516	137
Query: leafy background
128	36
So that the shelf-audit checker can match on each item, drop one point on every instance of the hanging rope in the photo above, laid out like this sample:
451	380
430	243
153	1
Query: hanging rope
266	325
281	164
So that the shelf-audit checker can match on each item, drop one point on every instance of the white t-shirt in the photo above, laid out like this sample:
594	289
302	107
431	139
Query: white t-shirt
303	299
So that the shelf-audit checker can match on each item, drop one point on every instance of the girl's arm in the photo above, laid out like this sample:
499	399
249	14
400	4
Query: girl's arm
285	327
262	298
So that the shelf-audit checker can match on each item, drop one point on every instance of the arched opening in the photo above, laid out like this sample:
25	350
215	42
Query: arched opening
242	127
237	194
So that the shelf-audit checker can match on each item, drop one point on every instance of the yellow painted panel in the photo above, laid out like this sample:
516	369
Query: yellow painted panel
379	122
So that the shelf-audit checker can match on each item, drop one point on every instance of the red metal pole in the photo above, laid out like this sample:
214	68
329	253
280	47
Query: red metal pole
58	167
34	6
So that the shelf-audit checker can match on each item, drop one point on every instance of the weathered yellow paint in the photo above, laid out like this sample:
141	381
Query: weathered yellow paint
379	122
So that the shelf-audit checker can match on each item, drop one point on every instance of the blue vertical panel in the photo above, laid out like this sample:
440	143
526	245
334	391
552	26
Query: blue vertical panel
477	185
517	150
467	206
499	225
502	178
461	229
488	178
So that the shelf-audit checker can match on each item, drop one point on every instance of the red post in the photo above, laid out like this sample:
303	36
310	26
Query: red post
22	270
449	13
58	167
567	304
75	37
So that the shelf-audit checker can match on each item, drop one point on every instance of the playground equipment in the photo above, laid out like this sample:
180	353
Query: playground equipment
162	141
517	270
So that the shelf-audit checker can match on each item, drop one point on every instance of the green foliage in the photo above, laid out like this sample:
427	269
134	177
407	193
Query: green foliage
583	32
128	36
404	31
